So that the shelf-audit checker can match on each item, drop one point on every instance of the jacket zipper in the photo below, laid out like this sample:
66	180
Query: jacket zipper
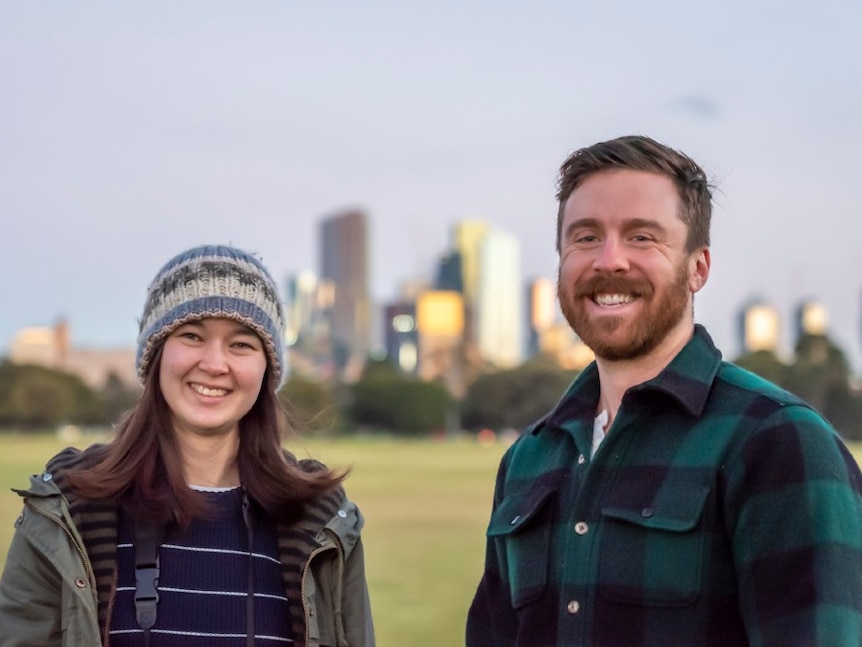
305	569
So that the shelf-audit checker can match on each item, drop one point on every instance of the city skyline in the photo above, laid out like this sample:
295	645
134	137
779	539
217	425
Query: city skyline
780	328
127	137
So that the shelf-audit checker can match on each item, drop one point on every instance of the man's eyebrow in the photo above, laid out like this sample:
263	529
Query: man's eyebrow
644	223
581	223
630	223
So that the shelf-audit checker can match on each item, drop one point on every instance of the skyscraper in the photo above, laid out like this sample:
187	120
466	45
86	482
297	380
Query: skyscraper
467	237
541	312
758	327
499	300
811	318
344	262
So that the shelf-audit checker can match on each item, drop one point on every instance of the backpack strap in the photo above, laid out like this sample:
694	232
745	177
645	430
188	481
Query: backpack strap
148	537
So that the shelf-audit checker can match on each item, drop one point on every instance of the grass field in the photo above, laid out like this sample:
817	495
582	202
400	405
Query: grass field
426	505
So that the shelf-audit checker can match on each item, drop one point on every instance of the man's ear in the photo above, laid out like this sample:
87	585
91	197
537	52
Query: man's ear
698	271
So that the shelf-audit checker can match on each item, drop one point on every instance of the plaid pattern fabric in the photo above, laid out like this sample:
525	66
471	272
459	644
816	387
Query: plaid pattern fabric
719	511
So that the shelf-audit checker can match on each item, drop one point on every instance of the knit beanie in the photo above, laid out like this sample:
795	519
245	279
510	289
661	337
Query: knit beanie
212	281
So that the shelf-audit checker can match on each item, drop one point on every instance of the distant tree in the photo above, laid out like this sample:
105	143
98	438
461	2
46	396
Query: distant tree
311	405
765	364
117	397
820	371
384	399
843	409
820	375
516	397
39	398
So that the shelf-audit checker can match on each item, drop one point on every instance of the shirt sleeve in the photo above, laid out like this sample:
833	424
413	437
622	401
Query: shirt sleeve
793	511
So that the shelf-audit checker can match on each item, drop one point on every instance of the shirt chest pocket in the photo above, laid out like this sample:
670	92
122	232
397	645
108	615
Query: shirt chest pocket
653	545
521	524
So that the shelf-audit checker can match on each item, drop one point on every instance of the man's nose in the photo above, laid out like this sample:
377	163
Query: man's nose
611	256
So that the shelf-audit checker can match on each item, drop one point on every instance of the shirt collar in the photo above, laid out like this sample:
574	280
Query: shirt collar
687	380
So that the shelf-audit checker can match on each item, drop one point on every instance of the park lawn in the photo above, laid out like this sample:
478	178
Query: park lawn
426	505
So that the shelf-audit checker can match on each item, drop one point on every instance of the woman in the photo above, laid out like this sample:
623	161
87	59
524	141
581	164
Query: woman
193	526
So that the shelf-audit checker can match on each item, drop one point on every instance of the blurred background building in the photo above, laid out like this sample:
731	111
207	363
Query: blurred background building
344	264
51	347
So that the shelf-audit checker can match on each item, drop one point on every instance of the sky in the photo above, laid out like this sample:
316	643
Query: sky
132	131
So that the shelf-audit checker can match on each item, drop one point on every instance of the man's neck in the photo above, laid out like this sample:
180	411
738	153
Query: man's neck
618	376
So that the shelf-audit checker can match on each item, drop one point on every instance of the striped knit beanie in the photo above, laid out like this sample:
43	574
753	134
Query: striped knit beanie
212	281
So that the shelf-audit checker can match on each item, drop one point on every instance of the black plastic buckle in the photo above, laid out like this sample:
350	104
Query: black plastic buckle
146	595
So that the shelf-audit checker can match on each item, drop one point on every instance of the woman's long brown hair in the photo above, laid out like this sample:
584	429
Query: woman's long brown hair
142	471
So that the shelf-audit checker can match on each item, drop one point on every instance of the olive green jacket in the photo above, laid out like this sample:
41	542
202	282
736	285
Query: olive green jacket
48	595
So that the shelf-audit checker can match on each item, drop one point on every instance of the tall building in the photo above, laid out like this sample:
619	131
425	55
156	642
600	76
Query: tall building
467	237
400	336
307	311
498	313
450	275
51	347
440	334
811	318
300	308
344	262
541	312
759	327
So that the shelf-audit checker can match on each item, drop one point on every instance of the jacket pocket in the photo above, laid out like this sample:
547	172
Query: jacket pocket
522	524
652	548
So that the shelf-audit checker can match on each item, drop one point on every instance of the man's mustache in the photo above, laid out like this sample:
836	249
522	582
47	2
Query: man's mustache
613	285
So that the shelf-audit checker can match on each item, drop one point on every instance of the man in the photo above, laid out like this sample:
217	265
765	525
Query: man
669	499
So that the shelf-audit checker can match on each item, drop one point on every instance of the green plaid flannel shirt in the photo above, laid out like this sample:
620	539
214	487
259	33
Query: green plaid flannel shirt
718	511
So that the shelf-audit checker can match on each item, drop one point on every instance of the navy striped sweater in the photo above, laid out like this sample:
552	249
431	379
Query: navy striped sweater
204	584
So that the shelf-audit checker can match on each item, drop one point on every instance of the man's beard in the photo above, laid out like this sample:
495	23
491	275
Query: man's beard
664	310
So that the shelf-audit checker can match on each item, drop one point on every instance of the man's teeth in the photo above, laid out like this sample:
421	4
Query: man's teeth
613	299
203	390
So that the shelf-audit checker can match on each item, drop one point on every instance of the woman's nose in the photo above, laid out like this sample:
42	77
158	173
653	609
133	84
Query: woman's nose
213	357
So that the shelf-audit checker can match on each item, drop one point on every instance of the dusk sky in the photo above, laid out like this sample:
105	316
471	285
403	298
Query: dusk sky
131	131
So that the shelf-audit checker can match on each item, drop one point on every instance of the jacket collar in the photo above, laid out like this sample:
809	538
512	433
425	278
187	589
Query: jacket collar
687	380
41	486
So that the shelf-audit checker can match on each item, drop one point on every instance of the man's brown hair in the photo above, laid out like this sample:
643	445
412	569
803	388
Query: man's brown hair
638	153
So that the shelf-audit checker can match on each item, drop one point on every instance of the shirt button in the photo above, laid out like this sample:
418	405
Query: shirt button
581	459
573	607
80	582
582	528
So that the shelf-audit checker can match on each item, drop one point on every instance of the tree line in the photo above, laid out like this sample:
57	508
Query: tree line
34	398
